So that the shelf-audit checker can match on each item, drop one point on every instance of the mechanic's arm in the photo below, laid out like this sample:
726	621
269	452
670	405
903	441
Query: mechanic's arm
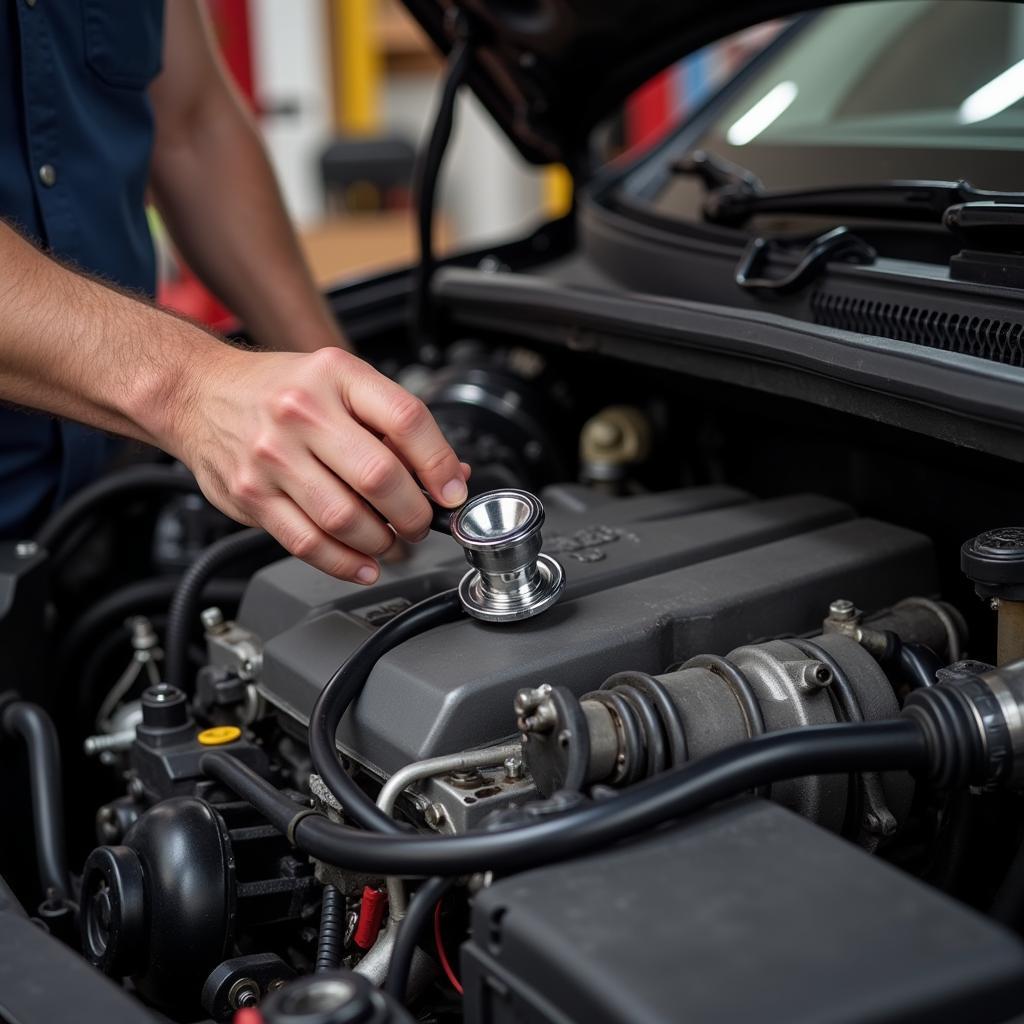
304	445
216	191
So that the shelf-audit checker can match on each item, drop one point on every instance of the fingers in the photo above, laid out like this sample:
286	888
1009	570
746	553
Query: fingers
335	508
301	537
408	426
373	471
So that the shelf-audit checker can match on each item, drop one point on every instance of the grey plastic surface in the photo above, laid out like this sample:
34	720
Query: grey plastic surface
650	581
746	913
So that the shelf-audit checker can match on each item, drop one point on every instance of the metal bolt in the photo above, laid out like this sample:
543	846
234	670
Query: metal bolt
144	637
136	790
26	549
277	983
106	819
244	993
435	815
467	778
843	610
814	676
120	740
513	769
605	433
527	700
211	618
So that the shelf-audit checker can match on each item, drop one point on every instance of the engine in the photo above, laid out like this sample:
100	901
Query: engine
597	751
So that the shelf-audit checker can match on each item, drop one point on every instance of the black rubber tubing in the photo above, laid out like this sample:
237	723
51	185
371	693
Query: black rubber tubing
34	726
426	174
409	930
330	946
133	599
184	606
896	745
110	489
345	686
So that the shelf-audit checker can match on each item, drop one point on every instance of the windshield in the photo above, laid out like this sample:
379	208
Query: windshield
871	91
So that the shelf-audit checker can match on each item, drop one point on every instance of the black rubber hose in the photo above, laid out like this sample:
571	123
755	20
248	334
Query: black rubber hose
133	599
184	606
896	745
427	172
919	665
331	942
34	726
345	686
409	931
108	490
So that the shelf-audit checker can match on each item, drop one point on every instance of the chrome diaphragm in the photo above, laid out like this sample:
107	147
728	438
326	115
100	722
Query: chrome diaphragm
511	578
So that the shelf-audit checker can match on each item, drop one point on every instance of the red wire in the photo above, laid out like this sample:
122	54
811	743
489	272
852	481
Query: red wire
442	955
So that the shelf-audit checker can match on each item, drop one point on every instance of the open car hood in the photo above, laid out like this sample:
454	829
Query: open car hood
550	70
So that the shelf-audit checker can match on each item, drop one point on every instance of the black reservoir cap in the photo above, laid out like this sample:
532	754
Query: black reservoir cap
994	562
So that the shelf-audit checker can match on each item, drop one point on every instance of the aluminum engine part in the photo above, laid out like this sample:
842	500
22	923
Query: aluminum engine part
650	581
636	725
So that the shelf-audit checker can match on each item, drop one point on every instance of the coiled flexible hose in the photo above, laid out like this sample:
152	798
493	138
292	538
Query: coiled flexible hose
331	942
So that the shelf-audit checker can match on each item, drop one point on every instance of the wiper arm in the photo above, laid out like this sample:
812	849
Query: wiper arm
736	195
716	172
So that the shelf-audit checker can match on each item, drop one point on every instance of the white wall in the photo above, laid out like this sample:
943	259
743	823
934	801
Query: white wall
487	191
291	65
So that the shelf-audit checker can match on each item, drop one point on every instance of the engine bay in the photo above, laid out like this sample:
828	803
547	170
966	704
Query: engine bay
649	733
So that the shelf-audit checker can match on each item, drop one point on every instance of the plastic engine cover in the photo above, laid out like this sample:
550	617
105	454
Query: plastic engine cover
746	913
650	581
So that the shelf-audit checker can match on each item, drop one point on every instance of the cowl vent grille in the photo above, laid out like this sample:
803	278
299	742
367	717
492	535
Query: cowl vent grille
1000	341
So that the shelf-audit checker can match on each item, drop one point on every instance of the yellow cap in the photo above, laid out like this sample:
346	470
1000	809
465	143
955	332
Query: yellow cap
219	735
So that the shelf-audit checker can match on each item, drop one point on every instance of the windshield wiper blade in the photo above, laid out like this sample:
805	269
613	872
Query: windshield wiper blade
736	195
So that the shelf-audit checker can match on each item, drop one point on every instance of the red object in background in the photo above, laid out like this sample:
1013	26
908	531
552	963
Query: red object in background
650	111
371	916
247	1016
190	297
231	23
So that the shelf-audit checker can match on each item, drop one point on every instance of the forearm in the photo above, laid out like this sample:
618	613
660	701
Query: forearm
217	194
319	449
75	348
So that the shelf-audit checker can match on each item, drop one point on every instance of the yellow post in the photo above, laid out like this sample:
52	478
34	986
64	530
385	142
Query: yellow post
557	191
357	66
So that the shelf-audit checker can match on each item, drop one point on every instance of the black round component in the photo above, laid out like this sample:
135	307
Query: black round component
994	562
113	910
332	997
164	707
161	907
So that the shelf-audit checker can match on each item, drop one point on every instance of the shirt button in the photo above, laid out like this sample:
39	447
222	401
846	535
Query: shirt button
48	175
30	3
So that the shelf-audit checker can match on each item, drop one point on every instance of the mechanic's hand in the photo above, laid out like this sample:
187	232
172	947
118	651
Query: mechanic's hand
321	451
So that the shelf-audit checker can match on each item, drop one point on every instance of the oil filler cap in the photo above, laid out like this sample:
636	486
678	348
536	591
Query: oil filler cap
511	579
218	735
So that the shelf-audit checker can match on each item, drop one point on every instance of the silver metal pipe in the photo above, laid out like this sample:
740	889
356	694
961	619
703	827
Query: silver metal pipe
374	965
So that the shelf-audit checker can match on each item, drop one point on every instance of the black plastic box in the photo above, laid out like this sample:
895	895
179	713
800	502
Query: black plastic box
746	913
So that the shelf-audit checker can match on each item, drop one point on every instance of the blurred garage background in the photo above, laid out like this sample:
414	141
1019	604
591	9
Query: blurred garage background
343	91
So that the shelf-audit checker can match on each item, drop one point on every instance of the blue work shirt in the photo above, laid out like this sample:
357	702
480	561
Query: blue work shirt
76	133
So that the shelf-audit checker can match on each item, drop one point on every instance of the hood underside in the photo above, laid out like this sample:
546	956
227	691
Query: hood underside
550	70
